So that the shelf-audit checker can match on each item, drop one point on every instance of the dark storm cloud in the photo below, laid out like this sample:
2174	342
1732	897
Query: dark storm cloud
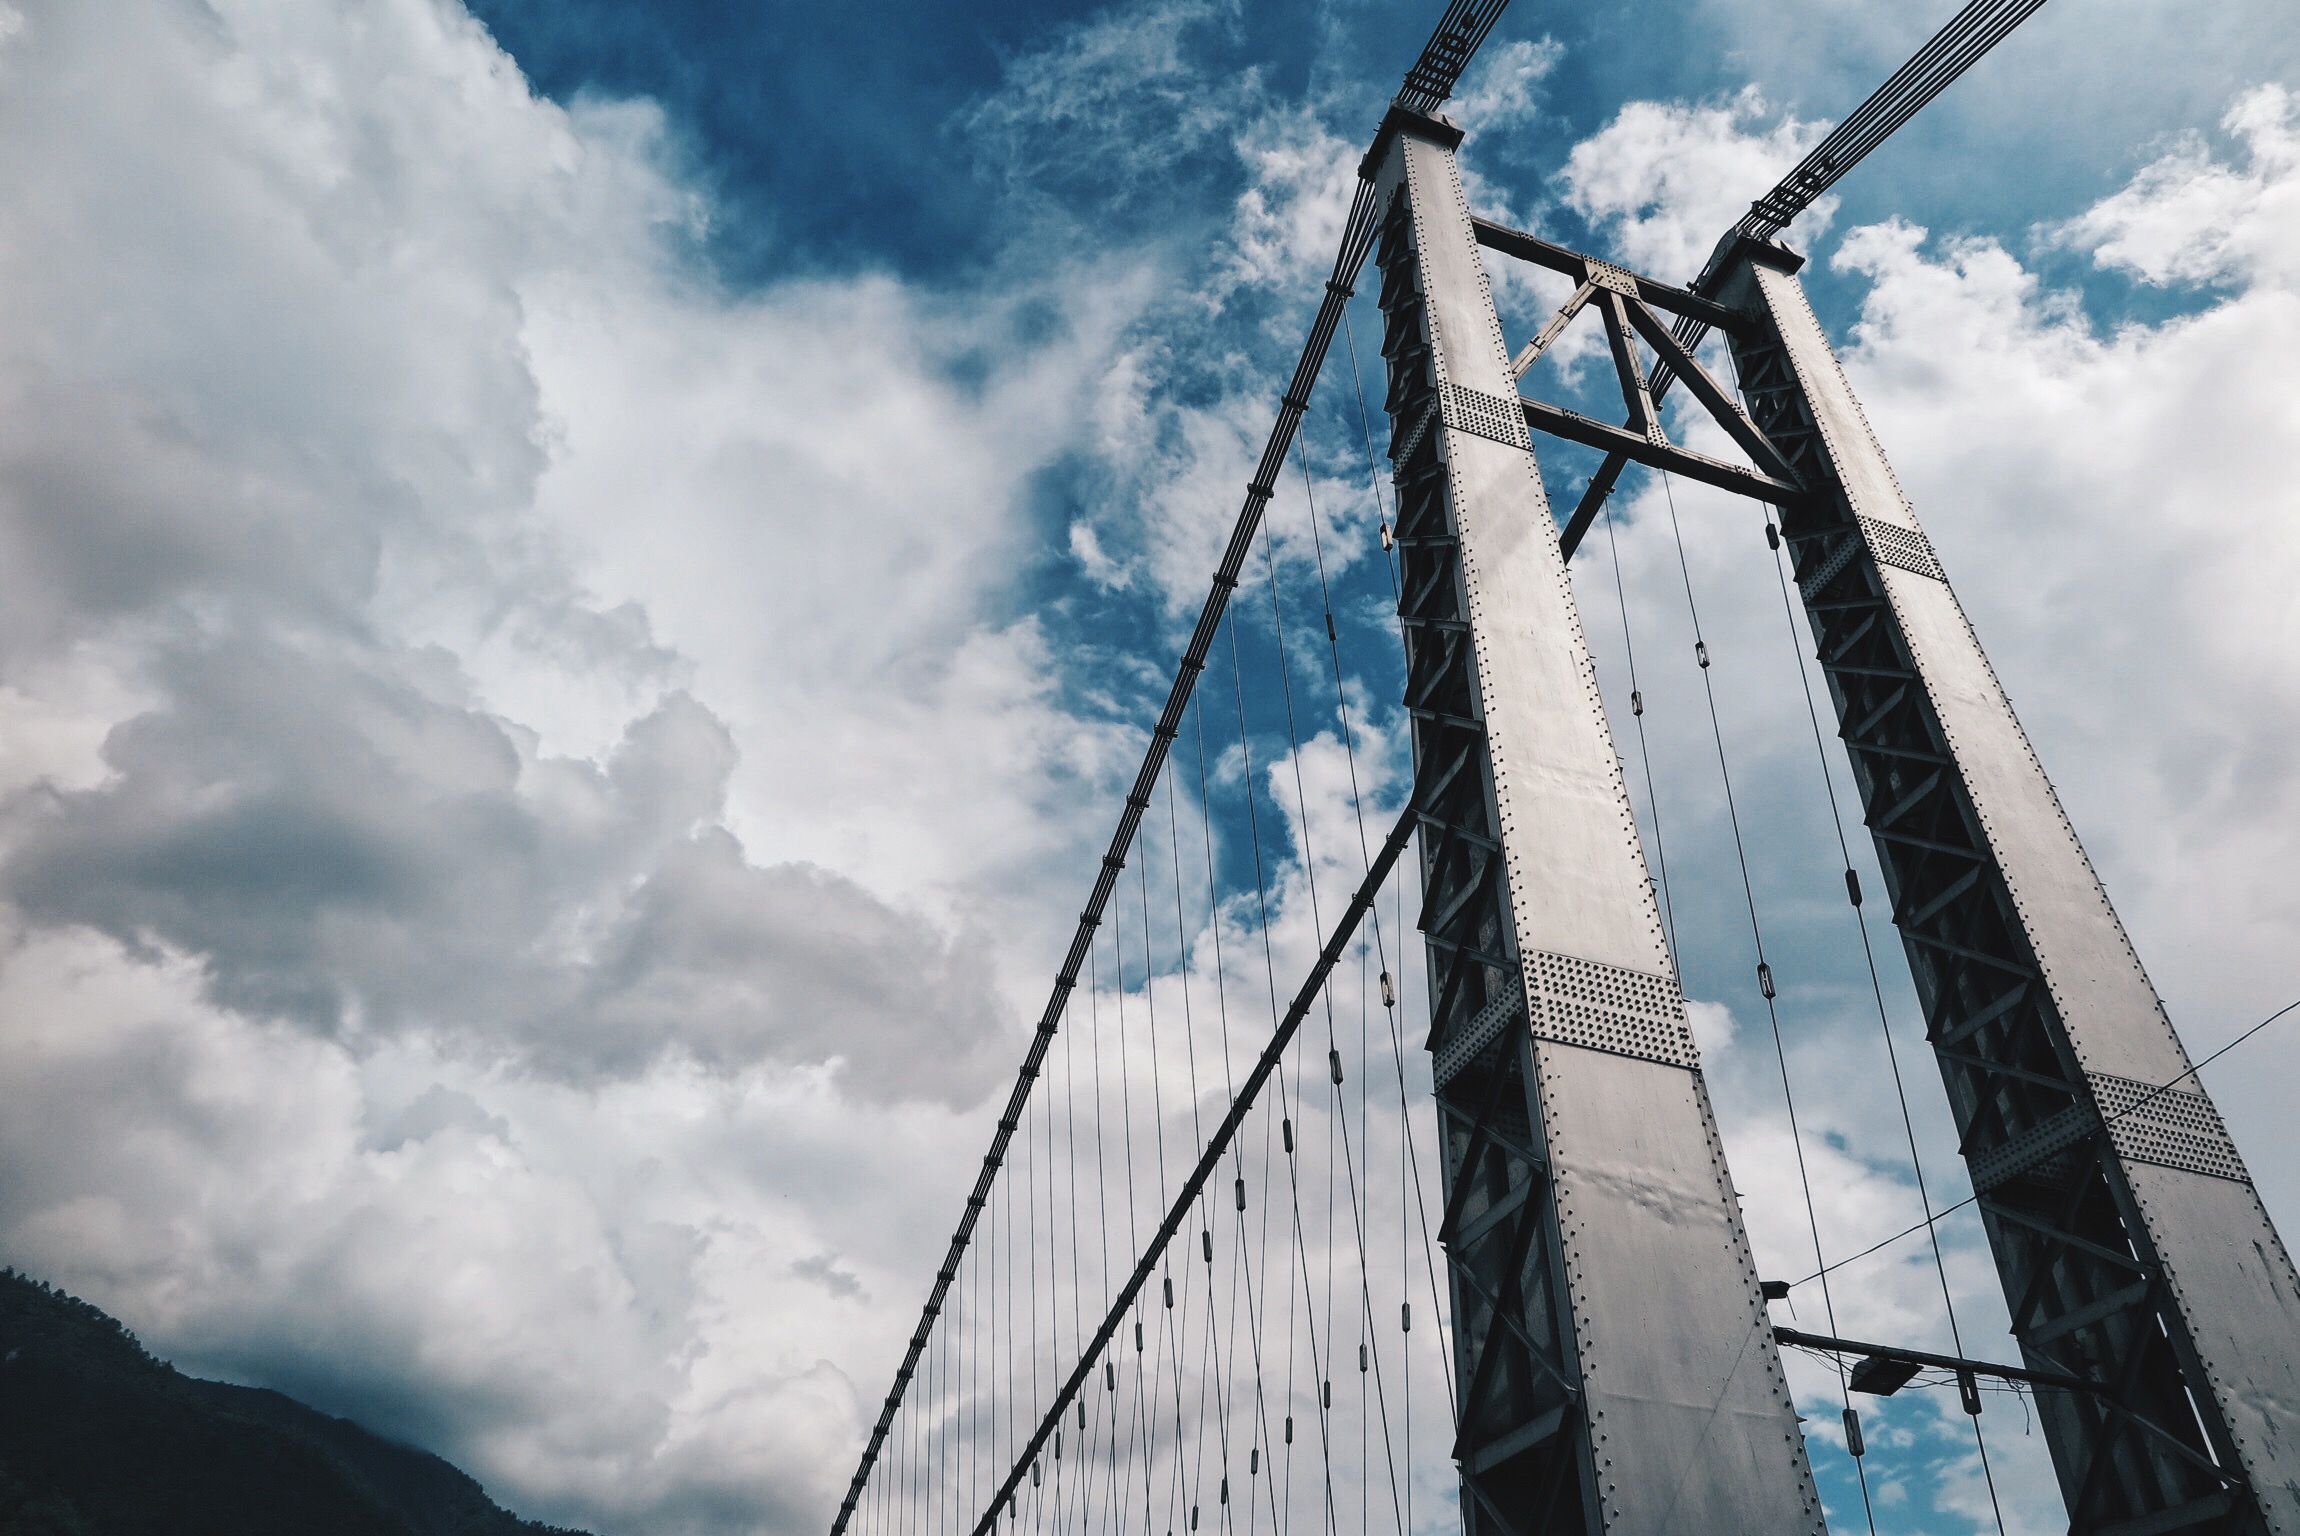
341	847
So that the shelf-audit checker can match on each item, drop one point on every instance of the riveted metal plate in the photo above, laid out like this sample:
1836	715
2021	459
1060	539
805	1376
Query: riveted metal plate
1905	548
2033	1149
1821	575
1413	438
1500	1011
1606	275
1608	1008
2167	1127
1493	417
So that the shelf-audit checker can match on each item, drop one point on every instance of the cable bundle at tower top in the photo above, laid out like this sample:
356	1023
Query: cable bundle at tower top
1459	35
1969	34
1463	28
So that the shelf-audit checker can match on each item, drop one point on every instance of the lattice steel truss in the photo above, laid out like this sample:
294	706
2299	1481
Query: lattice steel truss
2133	1248
2136	1257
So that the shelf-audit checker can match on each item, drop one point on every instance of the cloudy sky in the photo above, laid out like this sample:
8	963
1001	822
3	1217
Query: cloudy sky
578	581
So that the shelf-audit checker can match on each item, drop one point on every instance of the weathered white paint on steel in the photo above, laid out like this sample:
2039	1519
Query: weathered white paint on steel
1690	1423
2232	1281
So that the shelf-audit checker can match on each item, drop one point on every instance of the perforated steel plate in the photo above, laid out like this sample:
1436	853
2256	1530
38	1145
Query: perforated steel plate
1826	572
2033	1148
1501	1010
2167	1127
1607	1008
2170	1128
1905	548
1495	418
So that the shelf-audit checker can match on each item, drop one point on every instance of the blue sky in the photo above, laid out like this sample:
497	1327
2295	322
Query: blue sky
580	581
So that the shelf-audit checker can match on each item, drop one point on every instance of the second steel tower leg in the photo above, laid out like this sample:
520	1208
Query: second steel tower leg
2133	1247
1616	1371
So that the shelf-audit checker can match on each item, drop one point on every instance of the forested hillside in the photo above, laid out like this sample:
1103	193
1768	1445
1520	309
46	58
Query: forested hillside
97	1438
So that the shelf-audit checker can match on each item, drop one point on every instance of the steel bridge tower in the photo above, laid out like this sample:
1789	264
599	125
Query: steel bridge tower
1616	1369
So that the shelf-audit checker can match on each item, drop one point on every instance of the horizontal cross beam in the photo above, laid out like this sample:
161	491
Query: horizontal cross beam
1574	427
2055	1379
1572	263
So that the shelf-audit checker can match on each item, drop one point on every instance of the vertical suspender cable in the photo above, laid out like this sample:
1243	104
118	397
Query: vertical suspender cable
1764	969
1884	1024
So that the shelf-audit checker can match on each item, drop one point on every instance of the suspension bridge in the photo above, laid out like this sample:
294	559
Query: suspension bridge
1268	1223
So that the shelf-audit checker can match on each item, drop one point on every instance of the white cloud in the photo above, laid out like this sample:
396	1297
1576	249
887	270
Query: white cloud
1502	92
1666	179
417	579
527	798
2187	218
1301	178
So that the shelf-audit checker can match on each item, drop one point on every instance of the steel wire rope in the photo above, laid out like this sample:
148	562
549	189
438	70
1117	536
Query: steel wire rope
1357	807
1006	1209
1265	1067
1077	1279
2105	1120
1207	1203
970	1376
946	1450
996	1403
1411	1142
1030	1219
1365	1318
1150	1007
1764	971
1644	752
1242	1264
1188	1485
915	1505
1158	1127
1054	1245
1133	1242
1285	1093
1150	1371
1170	1340
933	1489
1101	1205
1876	981
1298	1238
1297	1254
1333	1122
1197	1126
1310	878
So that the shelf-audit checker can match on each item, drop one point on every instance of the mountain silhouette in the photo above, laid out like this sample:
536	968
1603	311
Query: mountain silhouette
97	1438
